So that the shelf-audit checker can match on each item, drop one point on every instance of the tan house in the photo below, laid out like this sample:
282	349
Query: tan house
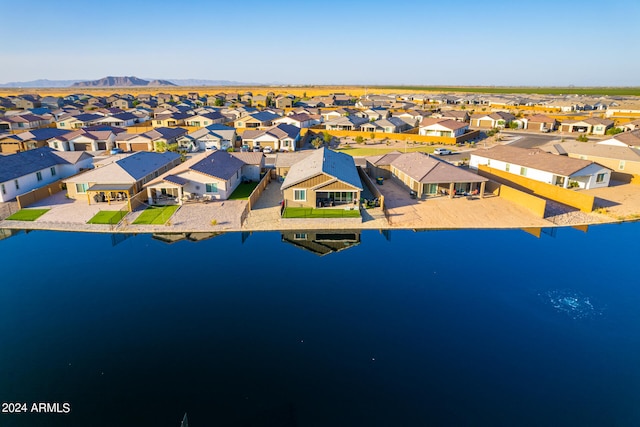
284	102
624	161
147	141
256	121
541	123
323	178
593	125
442	127
499	119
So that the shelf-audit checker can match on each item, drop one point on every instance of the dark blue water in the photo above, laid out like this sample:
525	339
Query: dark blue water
448	328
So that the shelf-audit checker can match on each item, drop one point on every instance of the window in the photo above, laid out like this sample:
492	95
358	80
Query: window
600	177
300	236
507	167
523	171
53	171
15	181
621	165
212	187
81	188
62	124
39	176
300	195
488	162
4	190
55	144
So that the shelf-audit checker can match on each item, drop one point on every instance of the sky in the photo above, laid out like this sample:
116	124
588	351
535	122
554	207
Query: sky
488	43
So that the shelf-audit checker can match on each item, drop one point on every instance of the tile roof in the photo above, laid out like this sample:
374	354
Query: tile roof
446	123
42	134
323	160
219	164
534	158
430	170
20	164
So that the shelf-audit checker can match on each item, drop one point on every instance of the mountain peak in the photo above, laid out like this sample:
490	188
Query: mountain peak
126	81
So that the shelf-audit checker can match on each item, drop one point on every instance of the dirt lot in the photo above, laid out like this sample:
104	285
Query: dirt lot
619	201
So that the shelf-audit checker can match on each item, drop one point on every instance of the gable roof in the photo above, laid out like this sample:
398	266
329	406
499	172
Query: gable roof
446	123
534	158
41	134
14	166
599	150
127	169
338	165
218	164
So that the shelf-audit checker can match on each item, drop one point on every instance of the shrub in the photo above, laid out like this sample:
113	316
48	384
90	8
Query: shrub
359	139
583	138
214	222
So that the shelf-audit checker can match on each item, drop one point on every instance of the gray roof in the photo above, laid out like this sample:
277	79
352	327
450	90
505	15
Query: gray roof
429	170
599	150
219	164
338	165
288	159
142	163
20	164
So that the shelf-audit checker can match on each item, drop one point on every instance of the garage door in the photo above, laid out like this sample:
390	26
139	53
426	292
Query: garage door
485	123
82	146
139	146
102	145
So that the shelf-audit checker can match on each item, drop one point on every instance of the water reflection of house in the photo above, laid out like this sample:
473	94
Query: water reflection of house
322	242
177	237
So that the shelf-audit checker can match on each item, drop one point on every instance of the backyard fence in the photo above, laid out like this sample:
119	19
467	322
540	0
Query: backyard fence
255	194
38	194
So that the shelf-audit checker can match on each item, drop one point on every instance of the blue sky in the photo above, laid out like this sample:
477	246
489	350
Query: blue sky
552	43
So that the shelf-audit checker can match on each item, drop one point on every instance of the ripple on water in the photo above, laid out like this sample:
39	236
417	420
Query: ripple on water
571	303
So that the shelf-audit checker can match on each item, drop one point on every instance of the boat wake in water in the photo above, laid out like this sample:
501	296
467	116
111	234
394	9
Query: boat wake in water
571	303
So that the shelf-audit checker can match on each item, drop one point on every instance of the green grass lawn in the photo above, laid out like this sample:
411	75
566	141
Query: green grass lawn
243	191
320	213
28	214
156	215
378	151
107	217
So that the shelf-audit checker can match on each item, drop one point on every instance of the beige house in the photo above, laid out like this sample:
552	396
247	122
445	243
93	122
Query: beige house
323	178
624	161
499	119
443	127
541	123
256	121
593	125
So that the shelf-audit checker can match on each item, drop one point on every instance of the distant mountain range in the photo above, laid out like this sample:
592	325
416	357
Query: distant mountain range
122	82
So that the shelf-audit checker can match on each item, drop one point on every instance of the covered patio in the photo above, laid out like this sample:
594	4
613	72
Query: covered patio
110	193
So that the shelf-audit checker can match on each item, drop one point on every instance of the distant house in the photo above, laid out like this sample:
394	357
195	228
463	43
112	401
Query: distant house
499	119
625	139
121	178
119	120
283	102
457	115
541	166
205	119
28	170
413	117
23	121
78	121
29	140
123	103
280	137
84	140
214	174
390	125
173	119
541	123
256	121
442	127
623	160
345	123
298	120
324	177
147	141
218	137
592	125
426	175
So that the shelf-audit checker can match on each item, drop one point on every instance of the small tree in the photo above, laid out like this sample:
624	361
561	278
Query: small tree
583	138
218	102
326	136
614	131
317	142
359	139
230	150
160	146
514	125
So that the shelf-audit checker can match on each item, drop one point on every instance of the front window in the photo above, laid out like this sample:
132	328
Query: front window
15	181
4	190
621	165
507	167
81	188
53	171
300	195
523	171
55	144
39	176
212	187
600	177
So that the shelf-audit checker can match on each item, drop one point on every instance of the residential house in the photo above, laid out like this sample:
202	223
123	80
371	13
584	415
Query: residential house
121	120
624	161
260	101
390	125
413	117
345	123
23	121
122	103
84	140
213	174
457	115
625	139
284	102
25	171
78	121
52	102
205	119
323	178
593	125
298	120
541	123
373	114
173	119
426	175
256	121
149	141
212	137
499	119
634	125
541	166
120	179
283	137
29	140
26	102
442	127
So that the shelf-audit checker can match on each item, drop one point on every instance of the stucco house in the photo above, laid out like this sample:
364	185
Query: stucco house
390	125
212	175
541	123
499	119
351	122
442	127
212	137
147	141
322	178
594	125
28	170
78	121
85	140
205	119
299	120
260	120
541	166
625	139
29	140
283	137
624	161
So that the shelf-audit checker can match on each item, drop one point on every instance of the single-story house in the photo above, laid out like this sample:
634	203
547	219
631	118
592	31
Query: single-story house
260	120
625	139
284	102
324	177
499	119
457	115
205	119
173	119
28	170
280	137
119	120
541	123
541	166
622	160
29	140
84	140
23	121
213	174
78	121
299	120
147	141
390	125
442	127
351	122
122	178
594	125
212	137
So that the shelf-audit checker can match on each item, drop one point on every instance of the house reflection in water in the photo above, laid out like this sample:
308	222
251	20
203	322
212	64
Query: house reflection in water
177	237
322	242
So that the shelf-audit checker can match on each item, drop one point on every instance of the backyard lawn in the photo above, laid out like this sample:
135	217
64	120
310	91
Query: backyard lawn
108	217
156	215
243	191
320	213
28	214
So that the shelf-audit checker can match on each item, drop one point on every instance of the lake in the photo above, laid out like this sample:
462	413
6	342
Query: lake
402	328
